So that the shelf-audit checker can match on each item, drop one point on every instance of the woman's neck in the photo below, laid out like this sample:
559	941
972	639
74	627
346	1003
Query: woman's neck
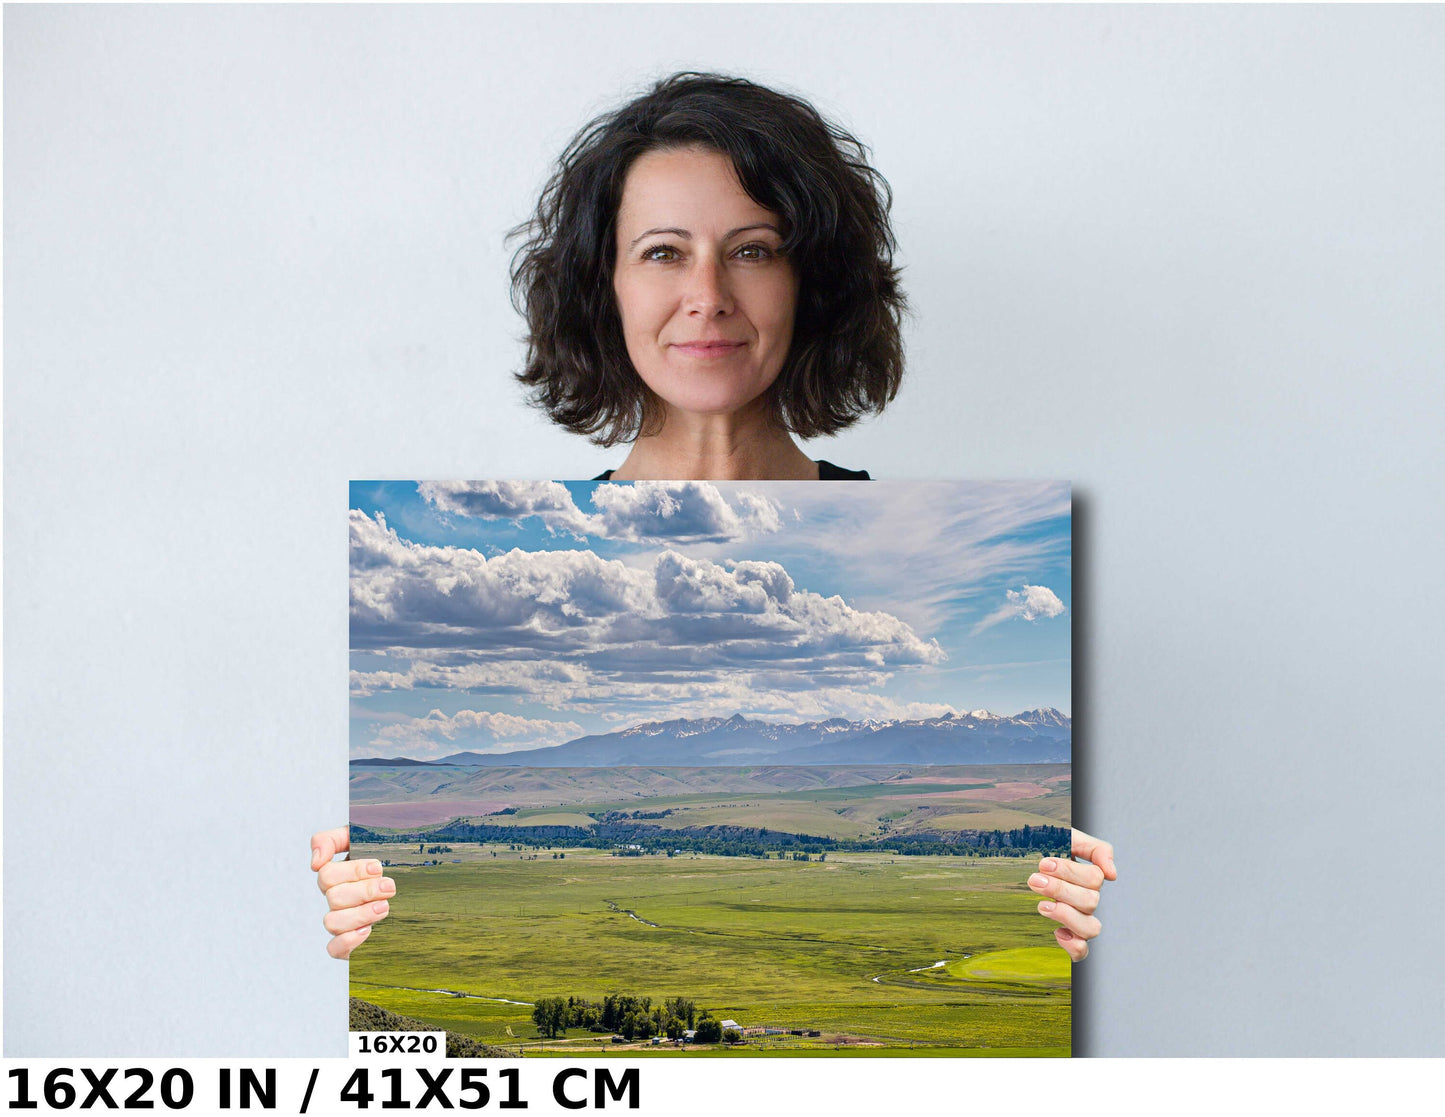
717	448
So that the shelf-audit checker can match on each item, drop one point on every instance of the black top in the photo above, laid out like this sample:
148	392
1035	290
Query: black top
827	471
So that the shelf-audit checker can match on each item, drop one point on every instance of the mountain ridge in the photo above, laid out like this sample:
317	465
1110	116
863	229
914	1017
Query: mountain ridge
1042	735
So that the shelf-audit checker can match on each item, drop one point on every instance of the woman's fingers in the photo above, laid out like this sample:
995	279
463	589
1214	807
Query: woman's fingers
326	844
340	872
1072	888
1084	926
1078	948
354	893
1084	899
342	945
1083	873
351	919
1100	852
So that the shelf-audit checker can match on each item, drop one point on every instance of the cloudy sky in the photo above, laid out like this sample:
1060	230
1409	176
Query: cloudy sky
496	616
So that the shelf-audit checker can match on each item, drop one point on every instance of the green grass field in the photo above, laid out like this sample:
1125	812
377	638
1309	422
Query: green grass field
846	947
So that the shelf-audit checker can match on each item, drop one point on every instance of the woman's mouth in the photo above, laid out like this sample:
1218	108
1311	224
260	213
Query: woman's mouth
707	348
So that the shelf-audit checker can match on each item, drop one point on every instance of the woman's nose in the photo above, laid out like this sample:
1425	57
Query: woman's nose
708	293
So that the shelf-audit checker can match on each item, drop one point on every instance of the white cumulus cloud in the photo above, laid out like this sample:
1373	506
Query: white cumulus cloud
579	632
639	512
508	500
682	511
440	734
1029	603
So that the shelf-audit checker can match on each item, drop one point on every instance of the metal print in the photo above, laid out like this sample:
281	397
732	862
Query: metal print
690	767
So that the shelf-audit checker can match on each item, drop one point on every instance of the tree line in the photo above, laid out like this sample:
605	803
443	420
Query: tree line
625	1015
740	841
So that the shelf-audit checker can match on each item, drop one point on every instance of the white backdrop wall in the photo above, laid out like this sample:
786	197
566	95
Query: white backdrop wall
1192	259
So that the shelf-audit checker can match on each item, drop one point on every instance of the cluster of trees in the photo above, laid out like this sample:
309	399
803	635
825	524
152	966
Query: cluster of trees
1036	841
617	816
727	840
742	841
710	1030
628	1016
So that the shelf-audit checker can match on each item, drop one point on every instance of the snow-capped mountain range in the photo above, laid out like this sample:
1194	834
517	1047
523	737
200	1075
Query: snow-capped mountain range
1034	737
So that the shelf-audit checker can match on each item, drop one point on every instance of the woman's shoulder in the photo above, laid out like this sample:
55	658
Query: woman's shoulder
827	471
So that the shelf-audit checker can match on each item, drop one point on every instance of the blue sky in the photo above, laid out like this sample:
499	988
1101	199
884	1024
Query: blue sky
507	615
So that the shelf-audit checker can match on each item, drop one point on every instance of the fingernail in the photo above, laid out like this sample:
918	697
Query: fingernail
1064	933
1046	907
374	868
1039	881
1048	864
381	907
315	853
1111	866
365	931
386	886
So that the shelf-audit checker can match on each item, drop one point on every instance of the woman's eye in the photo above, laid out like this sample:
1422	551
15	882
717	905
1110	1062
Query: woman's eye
754	252
661	252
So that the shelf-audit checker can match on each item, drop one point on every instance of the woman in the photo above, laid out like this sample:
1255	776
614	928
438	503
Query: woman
709	273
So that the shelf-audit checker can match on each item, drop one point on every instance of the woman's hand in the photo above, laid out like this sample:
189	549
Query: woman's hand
1072	888
355	890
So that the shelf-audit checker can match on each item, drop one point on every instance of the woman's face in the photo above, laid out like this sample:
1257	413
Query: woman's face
706	299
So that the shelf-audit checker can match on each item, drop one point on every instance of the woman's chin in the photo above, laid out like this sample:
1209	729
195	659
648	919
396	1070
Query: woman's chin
697	404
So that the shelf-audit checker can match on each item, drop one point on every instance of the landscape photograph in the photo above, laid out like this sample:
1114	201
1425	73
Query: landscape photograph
712	769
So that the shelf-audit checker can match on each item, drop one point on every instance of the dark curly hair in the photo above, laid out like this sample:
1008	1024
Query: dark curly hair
846	358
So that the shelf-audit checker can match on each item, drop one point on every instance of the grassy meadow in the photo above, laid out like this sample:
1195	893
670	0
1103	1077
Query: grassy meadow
848	947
